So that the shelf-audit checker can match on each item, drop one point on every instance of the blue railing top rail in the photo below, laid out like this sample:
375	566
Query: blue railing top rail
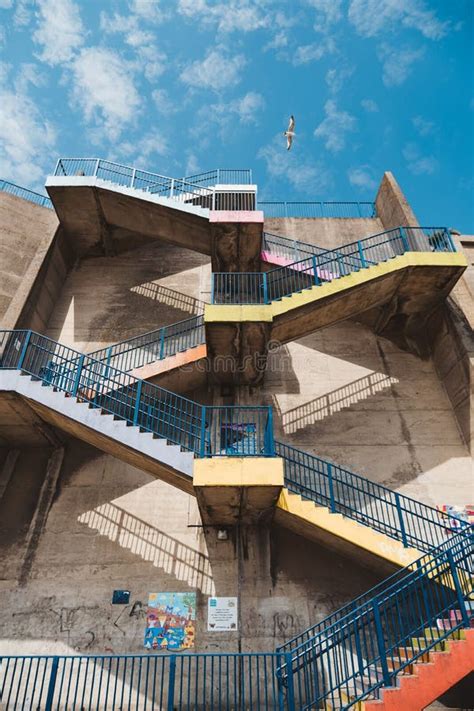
222	176
415	524
262	288
7	187
205	430
317	209
94	166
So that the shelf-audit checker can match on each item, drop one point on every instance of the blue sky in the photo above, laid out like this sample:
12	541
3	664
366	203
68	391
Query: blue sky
184	86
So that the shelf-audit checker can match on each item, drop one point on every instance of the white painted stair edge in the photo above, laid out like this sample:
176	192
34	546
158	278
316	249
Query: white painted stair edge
80	412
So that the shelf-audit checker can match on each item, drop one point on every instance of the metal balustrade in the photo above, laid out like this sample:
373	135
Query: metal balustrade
222	176
390	628
411	522
30	195
177	189
287	248
155	345
316	209
262	288
201	429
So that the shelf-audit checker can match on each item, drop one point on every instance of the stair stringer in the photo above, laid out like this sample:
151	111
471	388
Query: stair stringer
141	449
430	679
341	533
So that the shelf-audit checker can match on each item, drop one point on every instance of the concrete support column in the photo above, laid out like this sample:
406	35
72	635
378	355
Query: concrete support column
236	240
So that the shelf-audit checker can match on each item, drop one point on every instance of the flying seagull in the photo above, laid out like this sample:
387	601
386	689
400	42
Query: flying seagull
290	132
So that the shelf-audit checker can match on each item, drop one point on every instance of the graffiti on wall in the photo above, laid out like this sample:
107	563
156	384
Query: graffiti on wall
460	516
170	621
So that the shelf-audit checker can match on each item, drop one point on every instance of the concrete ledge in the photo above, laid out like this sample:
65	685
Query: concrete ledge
178	360
230	490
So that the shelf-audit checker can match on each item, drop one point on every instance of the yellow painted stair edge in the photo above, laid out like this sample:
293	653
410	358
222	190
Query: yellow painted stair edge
347	529
266	312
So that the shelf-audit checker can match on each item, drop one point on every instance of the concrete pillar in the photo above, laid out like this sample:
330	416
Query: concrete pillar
391	204
236	240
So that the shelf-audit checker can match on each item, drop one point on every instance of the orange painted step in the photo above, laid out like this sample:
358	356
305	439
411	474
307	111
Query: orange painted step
430	679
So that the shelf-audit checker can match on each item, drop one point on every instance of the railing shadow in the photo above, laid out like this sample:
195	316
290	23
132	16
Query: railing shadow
170	297
333	402
151	544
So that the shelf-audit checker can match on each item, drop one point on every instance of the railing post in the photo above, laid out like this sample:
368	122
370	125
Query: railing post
172	188
96	167
107	362
361	254
317	280
136	410
202	445
332	501
450	240
458	589
381	644
400	520
265	287
286	208
23	350
162	343
171	682
77	380
132	182
218	176
406	244
290	684
52	684
269	442
213	201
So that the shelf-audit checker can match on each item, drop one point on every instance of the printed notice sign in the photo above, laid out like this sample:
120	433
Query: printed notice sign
222	614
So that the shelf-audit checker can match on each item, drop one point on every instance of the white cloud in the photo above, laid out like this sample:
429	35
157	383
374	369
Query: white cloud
192	165
230	16
397	63
29	73
141	151
416	162
27	139
163	102
362	177
422	126
104	89
248	107
149	10
313	52
279	41
60	31
374	17
216	71
22	16
304	176
3	36
369	105
335	78
328	12
6	4
335	126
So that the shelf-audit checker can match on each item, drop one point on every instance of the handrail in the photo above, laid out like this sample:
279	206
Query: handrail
155	345
279	246
26	194
263	288
207	431
355	656
415	524
317	209
222	176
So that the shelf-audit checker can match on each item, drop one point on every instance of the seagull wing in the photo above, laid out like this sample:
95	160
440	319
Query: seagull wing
289	141
291	125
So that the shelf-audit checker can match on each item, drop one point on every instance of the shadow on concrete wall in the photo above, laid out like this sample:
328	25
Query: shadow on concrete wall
170	297
150	544
330	403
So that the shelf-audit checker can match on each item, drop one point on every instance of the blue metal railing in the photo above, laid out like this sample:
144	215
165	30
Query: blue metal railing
155	345
262	288
25	193
202	429
314	209
222	176
176	189
287	248
370	643
412	522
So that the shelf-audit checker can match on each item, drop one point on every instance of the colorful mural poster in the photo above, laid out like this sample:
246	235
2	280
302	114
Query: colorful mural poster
460	516
170	621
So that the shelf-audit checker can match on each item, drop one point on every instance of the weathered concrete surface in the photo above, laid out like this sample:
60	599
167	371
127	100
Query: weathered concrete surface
101	218
26	233
113	526
392	206
324	232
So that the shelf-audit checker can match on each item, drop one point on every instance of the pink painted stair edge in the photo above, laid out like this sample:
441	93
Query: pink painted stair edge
296	266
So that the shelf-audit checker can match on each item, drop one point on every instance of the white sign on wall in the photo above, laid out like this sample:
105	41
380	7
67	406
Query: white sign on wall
222	614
